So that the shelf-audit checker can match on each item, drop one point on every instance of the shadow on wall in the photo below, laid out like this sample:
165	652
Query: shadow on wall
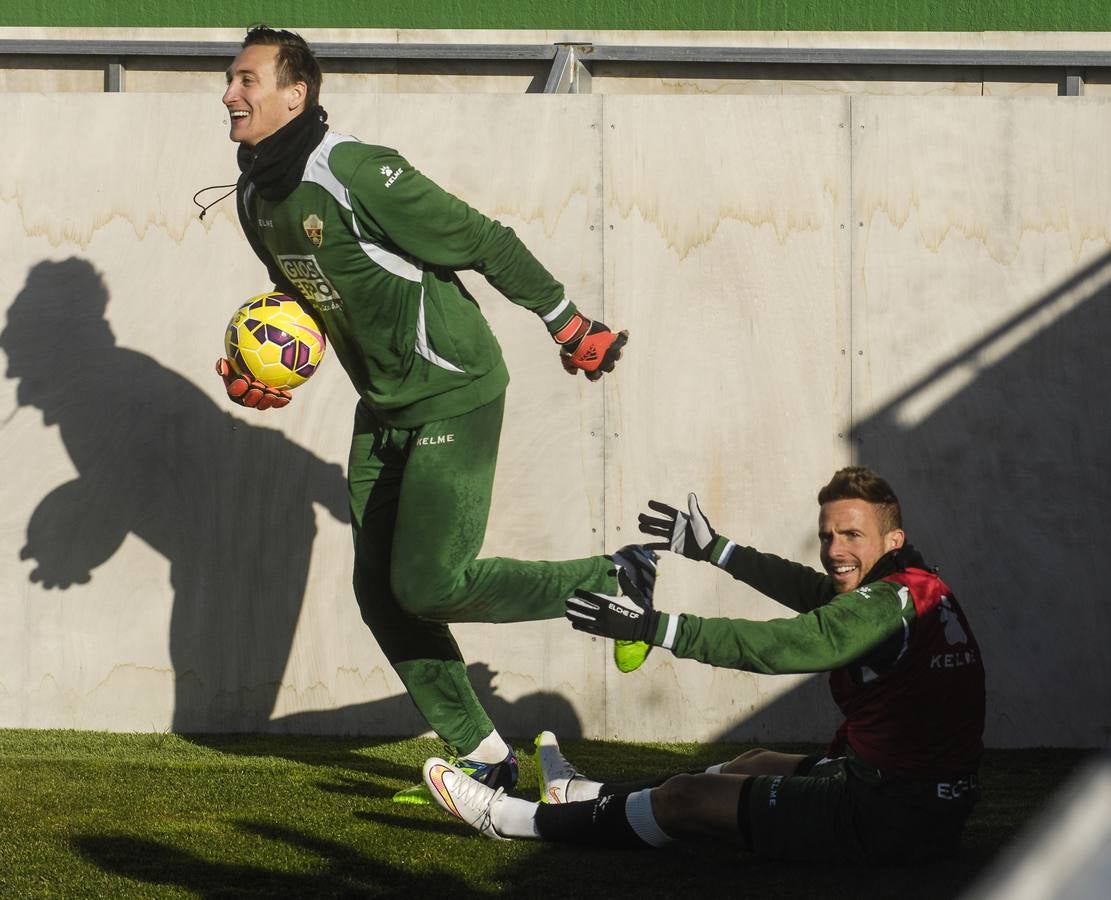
1000	458
524	717
804	714
157	458
1004	482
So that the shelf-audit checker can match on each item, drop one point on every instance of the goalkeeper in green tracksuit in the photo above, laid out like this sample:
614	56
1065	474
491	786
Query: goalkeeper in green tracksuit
374	246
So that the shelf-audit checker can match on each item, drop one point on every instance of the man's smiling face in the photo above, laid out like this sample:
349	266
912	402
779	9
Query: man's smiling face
853	541
256	105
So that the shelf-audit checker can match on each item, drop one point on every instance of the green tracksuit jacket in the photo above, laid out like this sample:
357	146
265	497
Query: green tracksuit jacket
905	667
864	627
373	245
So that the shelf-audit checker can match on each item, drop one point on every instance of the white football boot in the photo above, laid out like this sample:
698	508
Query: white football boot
555	773
463	796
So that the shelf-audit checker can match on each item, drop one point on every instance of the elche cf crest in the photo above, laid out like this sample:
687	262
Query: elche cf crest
314	229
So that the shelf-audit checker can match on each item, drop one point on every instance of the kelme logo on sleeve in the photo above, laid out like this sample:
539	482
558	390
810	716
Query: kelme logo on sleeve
309	279
391	175
314	229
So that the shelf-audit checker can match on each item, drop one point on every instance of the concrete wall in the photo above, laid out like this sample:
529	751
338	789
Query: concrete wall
920	284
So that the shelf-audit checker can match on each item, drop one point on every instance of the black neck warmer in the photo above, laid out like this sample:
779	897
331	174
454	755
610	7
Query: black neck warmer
905	557
276	164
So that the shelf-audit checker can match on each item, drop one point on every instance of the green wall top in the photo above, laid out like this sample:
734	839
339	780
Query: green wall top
631	15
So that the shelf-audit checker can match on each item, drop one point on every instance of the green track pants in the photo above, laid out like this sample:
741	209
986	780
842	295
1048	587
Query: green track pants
420	499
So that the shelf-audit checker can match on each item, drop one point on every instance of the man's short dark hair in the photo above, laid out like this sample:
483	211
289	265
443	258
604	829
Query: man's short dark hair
294	62
861	483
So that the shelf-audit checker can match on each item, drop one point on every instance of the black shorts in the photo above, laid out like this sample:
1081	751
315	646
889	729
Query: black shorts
840	810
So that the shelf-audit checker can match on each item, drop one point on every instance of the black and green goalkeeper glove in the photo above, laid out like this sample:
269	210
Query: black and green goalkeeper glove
626	617
688	533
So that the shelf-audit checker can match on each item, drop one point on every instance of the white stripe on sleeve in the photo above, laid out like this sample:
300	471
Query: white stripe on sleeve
726	552
554	314
671	632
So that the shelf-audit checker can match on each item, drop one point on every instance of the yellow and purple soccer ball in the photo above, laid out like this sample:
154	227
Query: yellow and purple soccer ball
274	338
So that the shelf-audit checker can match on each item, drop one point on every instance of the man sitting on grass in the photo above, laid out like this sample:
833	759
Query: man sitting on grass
899	778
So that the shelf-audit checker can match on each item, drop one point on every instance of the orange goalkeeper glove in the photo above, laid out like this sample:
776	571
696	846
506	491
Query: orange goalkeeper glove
246	392
589	346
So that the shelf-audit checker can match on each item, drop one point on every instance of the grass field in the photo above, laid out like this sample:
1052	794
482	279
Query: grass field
106	815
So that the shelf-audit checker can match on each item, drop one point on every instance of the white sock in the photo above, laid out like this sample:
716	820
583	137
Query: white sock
514	817
582	788
715	769
638	810
492	750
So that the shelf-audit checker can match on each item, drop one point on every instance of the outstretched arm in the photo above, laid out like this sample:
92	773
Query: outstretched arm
853	628
689	533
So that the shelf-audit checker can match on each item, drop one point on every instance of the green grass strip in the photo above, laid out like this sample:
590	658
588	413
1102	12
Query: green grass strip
129	816
758	15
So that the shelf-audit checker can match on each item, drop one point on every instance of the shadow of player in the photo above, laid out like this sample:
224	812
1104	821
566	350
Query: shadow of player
155	457
524	717
341	870
358	737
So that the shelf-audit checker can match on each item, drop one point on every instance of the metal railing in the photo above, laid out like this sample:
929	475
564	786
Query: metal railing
569	65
